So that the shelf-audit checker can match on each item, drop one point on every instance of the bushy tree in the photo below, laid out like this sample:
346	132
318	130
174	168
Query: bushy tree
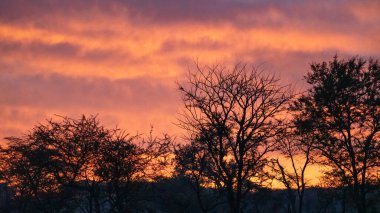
342	110
80	162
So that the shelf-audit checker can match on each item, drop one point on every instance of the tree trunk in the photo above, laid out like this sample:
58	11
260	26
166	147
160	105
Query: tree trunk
232	201
300	198
292	201
361	205
90	204
344	200
97	203
300	205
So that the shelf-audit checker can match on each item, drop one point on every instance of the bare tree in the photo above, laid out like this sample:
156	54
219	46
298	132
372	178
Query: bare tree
297	148
191	163
234	116
342	108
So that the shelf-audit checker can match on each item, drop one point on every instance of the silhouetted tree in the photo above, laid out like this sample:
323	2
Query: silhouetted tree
191	163
124	163
297	148
233	115
76	143
25	168
84	165
57	156
342	109
336	189
118	165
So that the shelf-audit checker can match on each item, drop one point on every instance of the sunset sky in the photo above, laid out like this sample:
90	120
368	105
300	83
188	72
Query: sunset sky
121	59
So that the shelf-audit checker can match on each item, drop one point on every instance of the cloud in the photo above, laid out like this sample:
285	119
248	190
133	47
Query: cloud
131	104
61	50
332	15
60	92
121	58
202	43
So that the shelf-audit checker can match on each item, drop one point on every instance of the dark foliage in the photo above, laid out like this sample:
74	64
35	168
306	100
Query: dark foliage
78	165
342	111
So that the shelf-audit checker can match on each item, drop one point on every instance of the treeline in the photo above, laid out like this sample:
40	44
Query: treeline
245	130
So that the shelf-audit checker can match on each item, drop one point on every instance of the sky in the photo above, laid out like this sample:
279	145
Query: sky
122	59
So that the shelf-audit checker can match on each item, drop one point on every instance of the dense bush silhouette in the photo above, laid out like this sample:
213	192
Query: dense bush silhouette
72	165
